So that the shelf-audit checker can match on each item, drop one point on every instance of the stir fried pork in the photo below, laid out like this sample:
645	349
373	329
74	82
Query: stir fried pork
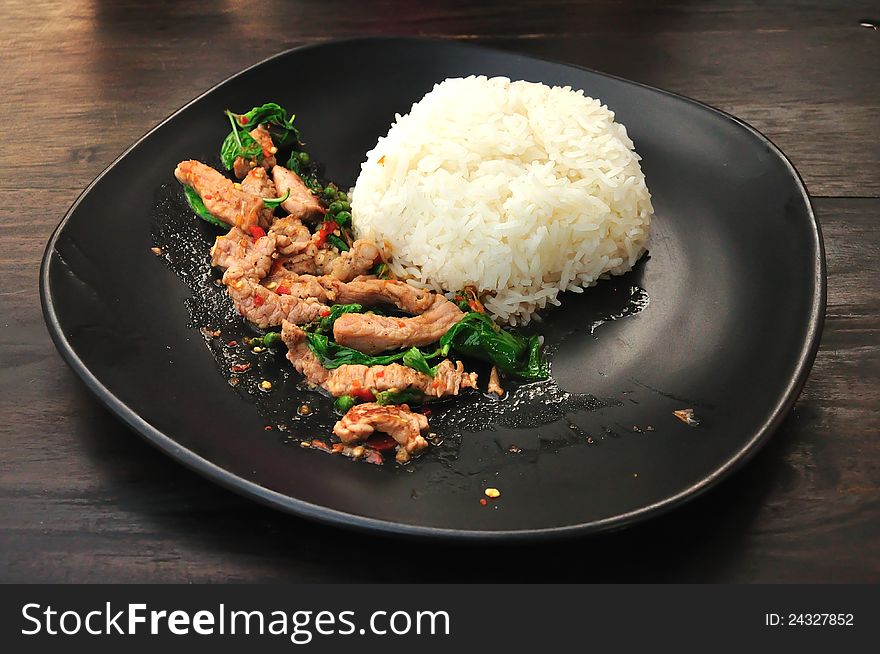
365	291
222	199
258	182
266	308
399	422
373	334
449	379
296	249
301	356
253	258
246	257
383	291
293	237
242	166
356	262
353	379
301	203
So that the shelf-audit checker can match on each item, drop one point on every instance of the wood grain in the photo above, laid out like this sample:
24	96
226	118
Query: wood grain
83	499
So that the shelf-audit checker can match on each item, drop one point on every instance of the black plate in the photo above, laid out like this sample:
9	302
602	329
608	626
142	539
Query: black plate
735	279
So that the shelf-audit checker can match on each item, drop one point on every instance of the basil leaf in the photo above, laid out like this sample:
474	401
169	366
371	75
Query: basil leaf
537	367
280	124
332	355
195	203
238	143
271	203
414	358
404	396
478	336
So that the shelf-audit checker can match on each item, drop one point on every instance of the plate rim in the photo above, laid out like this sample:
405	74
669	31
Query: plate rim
337	518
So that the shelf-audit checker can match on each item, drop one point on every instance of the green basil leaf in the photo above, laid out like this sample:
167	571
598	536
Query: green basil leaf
404	396
478	336
275	116
238	143
332	355
414	358
271	203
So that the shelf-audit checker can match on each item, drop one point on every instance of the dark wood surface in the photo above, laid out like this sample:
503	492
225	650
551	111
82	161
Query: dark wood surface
84	499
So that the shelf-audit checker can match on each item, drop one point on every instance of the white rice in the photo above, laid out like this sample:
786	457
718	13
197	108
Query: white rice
517	188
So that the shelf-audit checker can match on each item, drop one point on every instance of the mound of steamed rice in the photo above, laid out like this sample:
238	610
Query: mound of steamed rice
519	189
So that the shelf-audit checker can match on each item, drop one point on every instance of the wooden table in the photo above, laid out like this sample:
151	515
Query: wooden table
83	499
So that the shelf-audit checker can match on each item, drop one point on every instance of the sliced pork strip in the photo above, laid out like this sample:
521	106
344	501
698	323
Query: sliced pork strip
241	166
239	252
258	182
301	356
384	291
348	379
449	379
266	308
363	291
301	286
293	237
300	264
372	334
399	422
355	262
301	202
233	206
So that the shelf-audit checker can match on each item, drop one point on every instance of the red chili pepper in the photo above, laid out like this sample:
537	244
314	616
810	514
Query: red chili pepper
257	231
364	394
258	300
381	442
324	312
283	290
326	229
244	120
